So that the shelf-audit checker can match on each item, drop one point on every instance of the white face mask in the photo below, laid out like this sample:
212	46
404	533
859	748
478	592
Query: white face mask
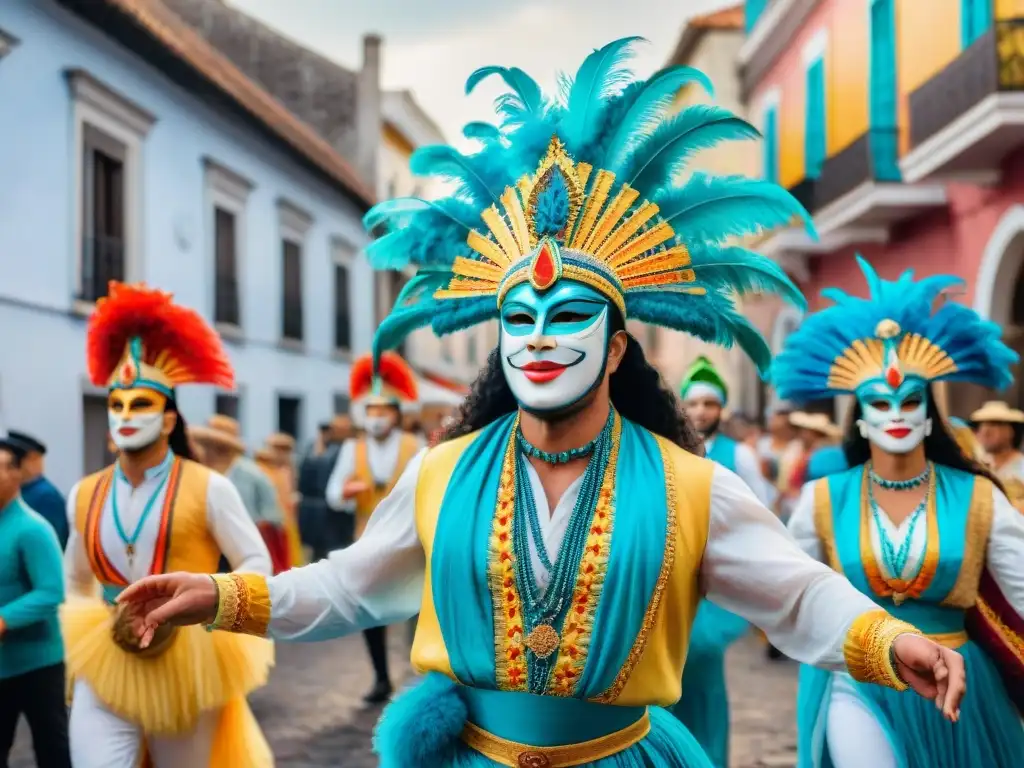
135	418
553	346
378	426
894	420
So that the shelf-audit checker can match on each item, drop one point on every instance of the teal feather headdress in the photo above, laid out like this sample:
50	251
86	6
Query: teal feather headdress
585	188
894	333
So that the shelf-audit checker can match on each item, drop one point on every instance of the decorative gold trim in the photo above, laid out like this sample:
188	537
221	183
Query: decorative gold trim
577	631
1014	643
868	648
588	277
823	524
509	646
864	360
979	525
517	755
243	605
668	561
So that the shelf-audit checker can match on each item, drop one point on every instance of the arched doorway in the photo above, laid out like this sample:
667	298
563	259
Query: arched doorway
999	297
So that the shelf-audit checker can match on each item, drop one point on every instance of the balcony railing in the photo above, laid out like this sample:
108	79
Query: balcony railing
871	157
804	193
993	63
102	261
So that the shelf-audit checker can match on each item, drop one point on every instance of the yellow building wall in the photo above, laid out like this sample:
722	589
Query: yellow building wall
792	106
927	39
1009	9
847	74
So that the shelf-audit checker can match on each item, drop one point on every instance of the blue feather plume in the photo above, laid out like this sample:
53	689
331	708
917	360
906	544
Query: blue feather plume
526	96
481	131
802	369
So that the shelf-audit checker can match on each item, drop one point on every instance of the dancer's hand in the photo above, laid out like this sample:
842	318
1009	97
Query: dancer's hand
170	598
933	671
353	488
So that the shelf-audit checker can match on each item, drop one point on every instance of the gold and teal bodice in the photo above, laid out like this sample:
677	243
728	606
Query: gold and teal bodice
624	638
957	520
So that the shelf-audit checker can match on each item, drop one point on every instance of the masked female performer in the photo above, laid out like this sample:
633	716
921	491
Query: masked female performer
557	543
913	523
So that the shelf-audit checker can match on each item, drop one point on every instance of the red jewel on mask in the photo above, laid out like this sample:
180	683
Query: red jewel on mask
893	376
127	373
546	266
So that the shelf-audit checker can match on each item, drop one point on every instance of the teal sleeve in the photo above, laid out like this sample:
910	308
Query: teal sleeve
40	555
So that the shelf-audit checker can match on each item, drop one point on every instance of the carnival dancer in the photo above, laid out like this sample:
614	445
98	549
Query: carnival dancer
1000	430
368	468
31	651
181	700
557	543
913	523
281	476
704	705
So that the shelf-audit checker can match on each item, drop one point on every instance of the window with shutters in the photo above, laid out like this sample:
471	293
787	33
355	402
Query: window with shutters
770	145
294	226
228	194
975	19
343	254
815	139
289	416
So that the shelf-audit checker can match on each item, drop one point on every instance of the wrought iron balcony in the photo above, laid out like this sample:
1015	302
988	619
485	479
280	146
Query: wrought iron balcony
871	157
969	115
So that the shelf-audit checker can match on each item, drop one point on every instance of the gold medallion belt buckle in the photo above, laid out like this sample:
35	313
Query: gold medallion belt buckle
516	755
126	639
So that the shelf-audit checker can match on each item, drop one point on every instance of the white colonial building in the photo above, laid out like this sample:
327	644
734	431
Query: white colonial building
132	149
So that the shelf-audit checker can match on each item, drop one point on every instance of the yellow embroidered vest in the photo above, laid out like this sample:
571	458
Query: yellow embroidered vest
368	500
184	542
653	672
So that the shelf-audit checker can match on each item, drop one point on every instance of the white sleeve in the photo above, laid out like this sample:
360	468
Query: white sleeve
1005	555
754	568
233	528
801	524
81	581
344	467
749	470
376	581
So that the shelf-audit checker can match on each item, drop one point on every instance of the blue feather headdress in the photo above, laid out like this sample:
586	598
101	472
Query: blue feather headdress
585	188
895	332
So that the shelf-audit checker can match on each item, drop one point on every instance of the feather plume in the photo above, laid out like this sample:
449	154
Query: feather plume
712	209
648	106
745	272
526	96
601	74
657	160
174	338
469	172
482	132
390	369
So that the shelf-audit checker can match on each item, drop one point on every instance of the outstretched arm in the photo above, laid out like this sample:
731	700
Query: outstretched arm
754	568
376	581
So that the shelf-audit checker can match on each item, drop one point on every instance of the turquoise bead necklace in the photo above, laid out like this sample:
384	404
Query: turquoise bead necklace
129	542
549	607
899	485
896	559
562	457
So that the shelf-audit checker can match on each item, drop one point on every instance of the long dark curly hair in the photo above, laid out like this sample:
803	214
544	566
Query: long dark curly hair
940	446
637	393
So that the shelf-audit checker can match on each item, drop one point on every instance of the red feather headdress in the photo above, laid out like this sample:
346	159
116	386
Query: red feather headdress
394	379
138	337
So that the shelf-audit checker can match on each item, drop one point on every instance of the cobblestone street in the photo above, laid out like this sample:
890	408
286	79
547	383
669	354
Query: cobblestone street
313	715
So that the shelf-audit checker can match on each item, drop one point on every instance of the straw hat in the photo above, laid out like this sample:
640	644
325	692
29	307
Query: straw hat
816	422
219	430
266	455
998	411
279	441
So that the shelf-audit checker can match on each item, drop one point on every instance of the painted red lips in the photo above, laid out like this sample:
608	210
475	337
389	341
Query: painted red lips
898	432
127	431
542	371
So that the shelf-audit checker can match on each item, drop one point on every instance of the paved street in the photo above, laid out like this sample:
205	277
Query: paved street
313	716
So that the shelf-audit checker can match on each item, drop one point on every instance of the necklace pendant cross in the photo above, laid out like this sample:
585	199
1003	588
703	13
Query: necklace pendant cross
129	549
898	598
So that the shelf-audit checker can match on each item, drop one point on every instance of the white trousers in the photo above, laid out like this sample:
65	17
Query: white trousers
855	738
101	739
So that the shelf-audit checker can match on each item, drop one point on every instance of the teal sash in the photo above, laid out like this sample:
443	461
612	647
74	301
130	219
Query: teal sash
954	489
723	451
459	562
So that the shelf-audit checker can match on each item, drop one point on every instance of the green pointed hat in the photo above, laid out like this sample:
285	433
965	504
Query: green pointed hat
705	376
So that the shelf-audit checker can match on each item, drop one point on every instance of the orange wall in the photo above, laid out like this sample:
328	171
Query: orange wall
848	73
927	39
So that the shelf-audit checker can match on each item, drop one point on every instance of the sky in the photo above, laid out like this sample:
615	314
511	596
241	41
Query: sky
431	46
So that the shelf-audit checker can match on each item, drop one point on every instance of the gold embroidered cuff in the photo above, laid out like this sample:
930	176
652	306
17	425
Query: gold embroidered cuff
243	604
868	648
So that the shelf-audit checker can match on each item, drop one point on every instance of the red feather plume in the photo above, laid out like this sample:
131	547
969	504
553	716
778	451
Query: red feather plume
175	339
394	373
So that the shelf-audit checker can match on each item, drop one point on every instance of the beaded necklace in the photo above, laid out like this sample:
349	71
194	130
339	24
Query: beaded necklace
899	485
896	559
130	541
545	610
562	457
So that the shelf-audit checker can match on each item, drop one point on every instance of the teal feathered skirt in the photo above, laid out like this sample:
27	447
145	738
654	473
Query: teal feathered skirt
422	727
704	706
989	734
